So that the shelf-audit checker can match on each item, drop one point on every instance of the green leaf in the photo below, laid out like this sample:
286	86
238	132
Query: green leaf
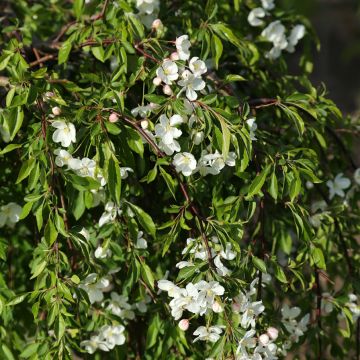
279	273
9	148
318	257
25	170
29	350
225	138
273	189
234	77
216	49
7	352
17	299
169	181
50	233
136	26
114	180
295	186
147	275
60	327
98	52
78	8
64	52
75	279
14	121
83	183
38	269
145	219
259	264
258	182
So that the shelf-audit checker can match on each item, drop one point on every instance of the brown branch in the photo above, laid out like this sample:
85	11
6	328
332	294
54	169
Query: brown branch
262	102
42	60
102	13
63	30
141	51
318	311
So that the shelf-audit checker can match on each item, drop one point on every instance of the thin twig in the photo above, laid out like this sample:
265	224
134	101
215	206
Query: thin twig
42	60
318	311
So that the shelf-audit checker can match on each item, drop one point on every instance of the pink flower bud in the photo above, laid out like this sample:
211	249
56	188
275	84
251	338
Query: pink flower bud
167	90
174	56
56	111
273	333
144	124
184	324
157	23
264	339
113	118
157	81
235	307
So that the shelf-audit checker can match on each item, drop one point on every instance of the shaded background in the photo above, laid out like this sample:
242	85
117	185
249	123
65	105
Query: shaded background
337	24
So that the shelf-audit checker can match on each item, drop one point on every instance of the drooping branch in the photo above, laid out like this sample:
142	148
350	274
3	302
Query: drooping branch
183	187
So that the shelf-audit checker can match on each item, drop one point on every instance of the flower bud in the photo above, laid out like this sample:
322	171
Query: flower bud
156	24
157	81
167	90
184	324
273	333
198	137
56	110
174	56
217	307
264	339
113	118
144	124
235	307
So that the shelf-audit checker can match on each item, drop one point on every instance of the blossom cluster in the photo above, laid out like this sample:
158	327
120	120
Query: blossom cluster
107	338
275	32
196	250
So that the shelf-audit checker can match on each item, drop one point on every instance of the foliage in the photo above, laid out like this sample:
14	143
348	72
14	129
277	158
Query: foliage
145	193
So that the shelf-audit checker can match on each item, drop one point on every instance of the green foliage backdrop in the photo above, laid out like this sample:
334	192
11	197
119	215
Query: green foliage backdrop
168	188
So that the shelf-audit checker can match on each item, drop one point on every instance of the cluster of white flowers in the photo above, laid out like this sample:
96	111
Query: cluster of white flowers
107	338
10	214
65	133
294	327
189	76
200	299
94	287
275	32
249	309
148	11
252	347
196	250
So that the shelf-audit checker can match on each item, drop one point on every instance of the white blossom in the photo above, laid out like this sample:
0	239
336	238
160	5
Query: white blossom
119	306
111	210
62	157
275	33
251	123
168	72
168	133
268	4
112	335
255	15
102	253
65	133
141	243
197	66
94	286
190	84
357	176
182	46
124	172
297	33
185	163
338	185
144	110
83	167
211	333
248	341
93	344
10	214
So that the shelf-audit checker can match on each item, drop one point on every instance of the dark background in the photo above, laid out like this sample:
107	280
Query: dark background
337	24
